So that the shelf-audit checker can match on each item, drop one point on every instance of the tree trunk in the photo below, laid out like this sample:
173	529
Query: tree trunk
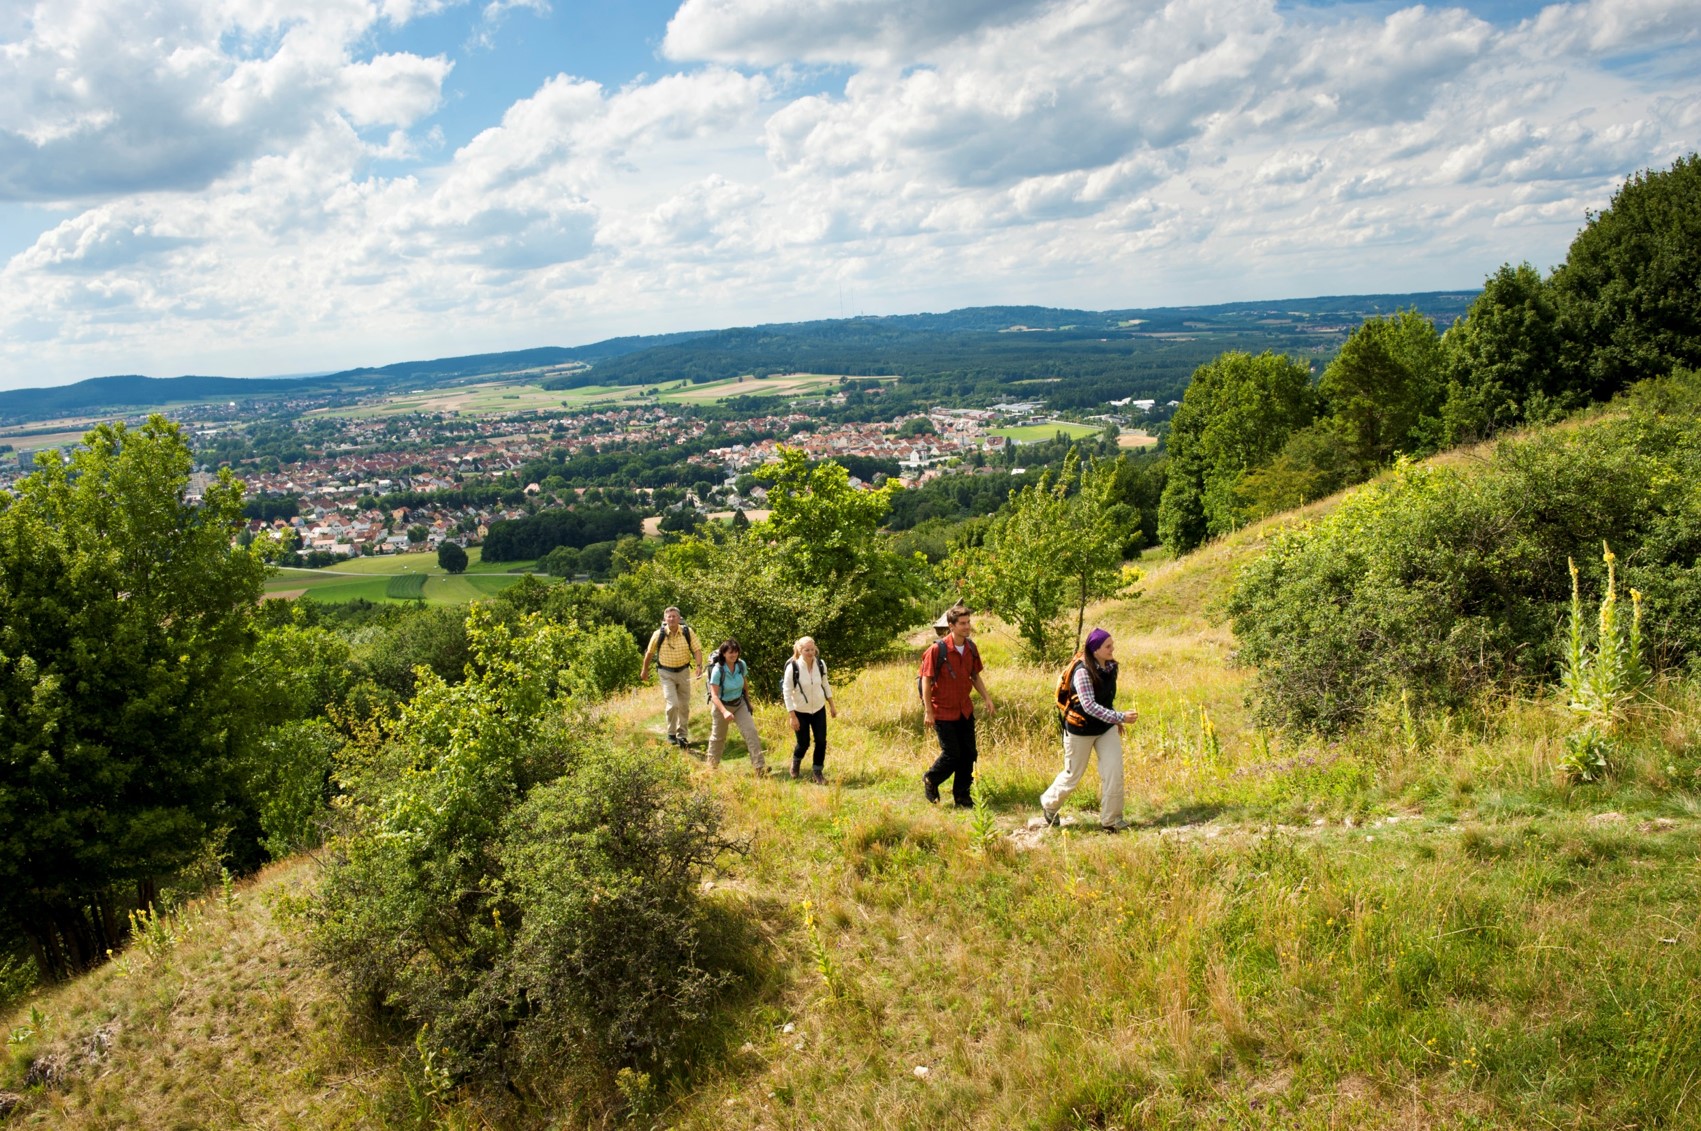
65	941
1081	613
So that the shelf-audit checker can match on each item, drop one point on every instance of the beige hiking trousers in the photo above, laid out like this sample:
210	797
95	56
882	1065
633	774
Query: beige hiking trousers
1076	749
718	727
676	693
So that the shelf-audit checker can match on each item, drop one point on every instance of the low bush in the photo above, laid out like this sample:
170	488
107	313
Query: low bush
603	867
509	888
436	638
607	661
291	784
1441	584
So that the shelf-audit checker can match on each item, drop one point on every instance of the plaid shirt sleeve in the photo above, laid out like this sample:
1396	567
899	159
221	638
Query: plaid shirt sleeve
1084	692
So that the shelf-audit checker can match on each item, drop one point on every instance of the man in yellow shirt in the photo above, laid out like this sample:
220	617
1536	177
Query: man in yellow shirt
674	647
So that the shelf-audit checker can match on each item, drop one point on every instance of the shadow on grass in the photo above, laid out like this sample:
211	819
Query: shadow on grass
1012	791
1196	813
742	939
865	778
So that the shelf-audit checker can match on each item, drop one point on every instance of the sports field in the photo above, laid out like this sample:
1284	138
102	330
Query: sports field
1034	433
400	577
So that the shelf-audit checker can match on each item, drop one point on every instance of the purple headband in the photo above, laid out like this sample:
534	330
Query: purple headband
1095	639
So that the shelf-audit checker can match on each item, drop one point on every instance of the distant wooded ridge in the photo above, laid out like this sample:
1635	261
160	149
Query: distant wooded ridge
974	340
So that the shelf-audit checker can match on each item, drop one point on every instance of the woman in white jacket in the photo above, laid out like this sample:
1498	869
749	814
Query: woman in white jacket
809	698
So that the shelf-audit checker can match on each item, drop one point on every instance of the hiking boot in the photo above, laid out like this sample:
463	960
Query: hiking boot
818	777
929	789
1052	818
796	768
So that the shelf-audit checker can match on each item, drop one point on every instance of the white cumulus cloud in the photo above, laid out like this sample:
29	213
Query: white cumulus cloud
257	180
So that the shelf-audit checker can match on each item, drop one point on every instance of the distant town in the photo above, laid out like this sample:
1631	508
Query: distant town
385	484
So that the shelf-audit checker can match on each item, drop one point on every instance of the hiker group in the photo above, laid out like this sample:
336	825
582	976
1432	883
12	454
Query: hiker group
803	685
948	679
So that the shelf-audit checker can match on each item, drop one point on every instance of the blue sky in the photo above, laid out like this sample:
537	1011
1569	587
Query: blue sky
499	61
253	186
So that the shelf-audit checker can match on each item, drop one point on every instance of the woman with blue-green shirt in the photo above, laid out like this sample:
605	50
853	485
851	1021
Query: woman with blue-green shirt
729	704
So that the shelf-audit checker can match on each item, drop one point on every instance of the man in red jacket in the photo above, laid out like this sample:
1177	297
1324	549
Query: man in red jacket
950	670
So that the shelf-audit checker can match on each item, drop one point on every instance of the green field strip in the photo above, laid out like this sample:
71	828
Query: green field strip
1035	433
387	564
335	590
461	588
405	587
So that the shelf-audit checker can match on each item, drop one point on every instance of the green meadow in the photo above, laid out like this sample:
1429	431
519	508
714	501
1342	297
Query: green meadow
399	577
1035	433
1424	924
501	398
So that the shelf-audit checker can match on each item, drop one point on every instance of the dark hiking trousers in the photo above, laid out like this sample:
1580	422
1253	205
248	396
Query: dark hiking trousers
811	722
957	756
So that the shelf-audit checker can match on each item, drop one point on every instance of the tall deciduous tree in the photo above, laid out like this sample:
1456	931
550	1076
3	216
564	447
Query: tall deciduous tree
1237	413
1056	548
124	614
1381	387
817	566
452	557
1503	358
1630	288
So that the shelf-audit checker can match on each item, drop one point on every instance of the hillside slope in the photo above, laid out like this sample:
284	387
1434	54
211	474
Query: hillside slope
1421	925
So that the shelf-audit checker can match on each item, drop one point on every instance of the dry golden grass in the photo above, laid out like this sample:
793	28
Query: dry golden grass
231	1025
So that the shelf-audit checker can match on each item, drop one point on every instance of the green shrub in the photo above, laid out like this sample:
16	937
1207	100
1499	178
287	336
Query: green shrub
1383	594
1442	584
515	893
436	638
291	784
606	661
604	866
17	978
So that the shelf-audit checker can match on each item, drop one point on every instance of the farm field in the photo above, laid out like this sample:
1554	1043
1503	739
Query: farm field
1035	433
791	385
393	578
472	400
33	440
495	398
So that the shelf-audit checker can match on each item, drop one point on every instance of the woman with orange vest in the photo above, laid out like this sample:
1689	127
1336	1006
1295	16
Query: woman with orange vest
1090	722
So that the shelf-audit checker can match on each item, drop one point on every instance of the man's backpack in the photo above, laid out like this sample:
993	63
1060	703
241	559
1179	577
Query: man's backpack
661	634
943	644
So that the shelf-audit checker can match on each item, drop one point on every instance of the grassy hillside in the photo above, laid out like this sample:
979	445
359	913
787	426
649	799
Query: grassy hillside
1420	925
